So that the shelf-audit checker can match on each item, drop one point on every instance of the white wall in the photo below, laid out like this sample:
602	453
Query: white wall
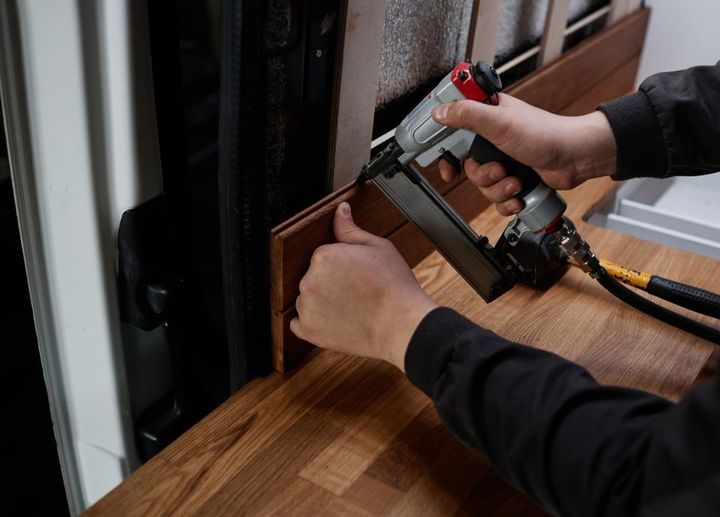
682	33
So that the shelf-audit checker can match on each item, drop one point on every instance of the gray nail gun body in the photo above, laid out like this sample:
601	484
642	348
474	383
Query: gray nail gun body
491	271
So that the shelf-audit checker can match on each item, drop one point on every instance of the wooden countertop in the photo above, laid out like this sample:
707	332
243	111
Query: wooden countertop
345	435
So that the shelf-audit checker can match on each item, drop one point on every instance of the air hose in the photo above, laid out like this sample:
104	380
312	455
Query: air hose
579	253
688	296
656	311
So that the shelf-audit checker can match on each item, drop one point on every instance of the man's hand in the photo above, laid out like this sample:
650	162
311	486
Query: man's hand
565	151
359	296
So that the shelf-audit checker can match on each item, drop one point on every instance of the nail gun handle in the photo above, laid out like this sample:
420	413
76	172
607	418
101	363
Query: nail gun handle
483	151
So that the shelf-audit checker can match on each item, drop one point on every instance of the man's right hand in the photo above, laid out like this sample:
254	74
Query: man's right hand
565	151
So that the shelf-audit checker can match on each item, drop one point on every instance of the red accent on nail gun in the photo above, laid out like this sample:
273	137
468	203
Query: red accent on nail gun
465	82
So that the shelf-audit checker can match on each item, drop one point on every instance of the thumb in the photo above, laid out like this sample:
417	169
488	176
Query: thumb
346	231
492	122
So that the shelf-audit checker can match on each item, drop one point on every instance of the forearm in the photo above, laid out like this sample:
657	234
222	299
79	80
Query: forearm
497	397
670	127
576	447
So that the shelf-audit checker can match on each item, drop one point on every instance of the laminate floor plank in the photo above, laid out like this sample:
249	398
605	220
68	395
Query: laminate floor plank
411	452
304	498
343	461
219	459
446	484
372	496
276	467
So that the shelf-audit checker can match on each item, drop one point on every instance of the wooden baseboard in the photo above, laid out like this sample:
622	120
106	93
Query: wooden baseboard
599	69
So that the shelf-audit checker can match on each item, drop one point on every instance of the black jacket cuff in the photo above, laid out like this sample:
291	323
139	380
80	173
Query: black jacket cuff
641	149
430	345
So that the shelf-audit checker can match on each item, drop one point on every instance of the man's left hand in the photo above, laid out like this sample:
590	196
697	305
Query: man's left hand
359	296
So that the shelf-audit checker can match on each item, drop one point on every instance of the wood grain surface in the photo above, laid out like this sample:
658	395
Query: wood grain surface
350	436
601	68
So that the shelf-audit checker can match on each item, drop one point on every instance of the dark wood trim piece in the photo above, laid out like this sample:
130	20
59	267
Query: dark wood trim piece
619	82
585	66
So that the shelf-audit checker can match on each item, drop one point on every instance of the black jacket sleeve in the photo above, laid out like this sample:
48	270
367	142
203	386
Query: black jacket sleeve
670	127
576	447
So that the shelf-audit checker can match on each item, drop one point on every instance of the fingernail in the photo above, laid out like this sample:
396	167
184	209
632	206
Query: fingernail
440	112
345	209
516	210
512	190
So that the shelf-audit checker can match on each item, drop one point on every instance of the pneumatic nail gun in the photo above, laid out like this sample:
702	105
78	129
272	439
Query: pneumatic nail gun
535	245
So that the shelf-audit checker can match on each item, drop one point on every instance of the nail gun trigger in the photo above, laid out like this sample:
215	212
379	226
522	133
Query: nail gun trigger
452	160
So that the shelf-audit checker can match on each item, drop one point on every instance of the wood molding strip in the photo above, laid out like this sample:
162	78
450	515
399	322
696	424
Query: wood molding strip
601	68
618	83
584	66
482	34
554	32
357	82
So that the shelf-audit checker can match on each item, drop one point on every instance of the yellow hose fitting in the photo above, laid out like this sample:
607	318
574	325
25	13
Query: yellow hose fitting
626	275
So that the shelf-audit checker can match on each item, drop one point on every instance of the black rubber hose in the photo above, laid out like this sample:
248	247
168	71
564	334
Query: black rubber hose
687	296
656	311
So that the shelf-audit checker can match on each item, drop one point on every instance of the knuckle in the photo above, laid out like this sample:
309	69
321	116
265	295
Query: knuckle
491	194
496	171
469	167
321	254
295	327
461	111
476	175
387	244
502	209
303	285
465	112
488	174
347	230
512	206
